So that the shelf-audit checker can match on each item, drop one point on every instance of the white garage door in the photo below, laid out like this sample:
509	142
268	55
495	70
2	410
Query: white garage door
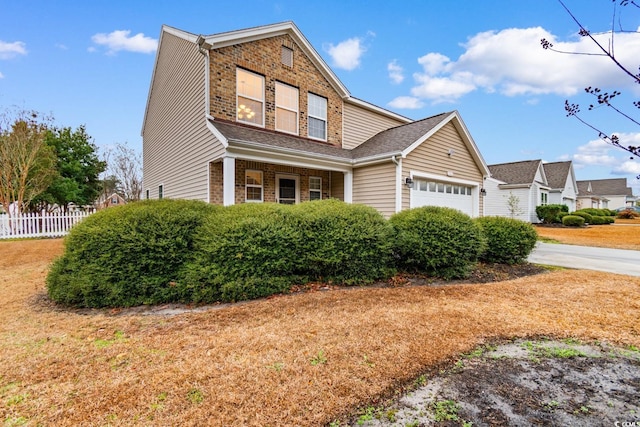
434	193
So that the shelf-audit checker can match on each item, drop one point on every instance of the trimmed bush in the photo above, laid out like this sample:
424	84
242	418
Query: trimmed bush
601	220
509	241
587	216
440	241
549	213
127	255
573	221
255	250
345	243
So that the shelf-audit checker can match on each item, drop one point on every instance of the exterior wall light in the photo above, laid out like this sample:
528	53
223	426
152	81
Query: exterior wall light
409	182
483	192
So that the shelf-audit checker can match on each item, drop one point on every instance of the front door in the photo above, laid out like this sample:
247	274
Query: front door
287	189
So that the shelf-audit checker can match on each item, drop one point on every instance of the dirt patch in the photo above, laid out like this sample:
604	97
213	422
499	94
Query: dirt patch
524	383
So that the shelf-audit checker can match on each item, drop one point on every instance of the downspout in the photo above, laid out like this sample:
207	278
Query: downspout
398	189
203	48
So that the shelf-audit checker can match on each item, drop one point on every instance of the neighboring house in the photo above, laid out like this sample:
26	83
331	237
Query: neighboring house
256	115
113	200
563	188
515	189
605	193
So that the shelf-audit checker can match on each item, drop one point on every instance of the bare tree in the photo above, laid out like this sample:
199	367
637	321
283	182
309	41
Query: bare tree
604	98
513	205
124	167
27	163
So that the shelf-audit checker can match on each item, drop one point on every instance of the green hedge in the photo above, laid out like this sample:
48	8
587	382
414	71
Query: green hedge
509	241
255	250
573	221
440	241
587	216
127	255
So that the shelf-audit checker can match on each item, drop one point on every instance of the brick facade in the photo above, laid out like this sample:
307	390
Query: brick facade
264	57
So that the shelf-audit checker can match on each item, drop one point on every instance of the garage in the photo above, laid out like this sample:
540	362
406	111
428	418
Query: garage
446	194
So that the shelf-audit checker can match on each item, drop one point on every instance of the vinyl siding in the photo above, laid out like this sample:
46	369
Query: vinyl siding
375	186
177	145
432	157
361	124
496	202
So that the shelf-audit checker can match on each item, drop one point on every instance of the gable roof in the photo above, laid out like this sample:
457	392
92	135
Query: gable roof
557	173
517	173
246	35
605	187
397	141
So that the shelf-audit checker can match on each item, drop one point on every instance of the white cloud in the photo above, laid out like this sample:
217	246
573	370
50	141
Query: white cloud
628	167
62	46
513	63
346	54
11	50
406	102
595	153
1	76
395	72
120	40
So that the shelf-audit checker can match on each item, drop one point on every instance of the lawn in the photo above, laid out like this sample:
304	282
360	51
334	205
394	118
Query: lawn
624	234
293	360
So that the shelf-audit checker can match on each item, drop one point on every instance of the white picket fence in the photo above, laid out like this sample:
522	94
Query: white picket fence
39	225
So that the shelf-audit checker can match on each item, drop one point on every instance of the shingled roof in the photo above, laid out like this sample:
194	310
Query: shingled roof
557	173
523	172
605	187
391	141
397	139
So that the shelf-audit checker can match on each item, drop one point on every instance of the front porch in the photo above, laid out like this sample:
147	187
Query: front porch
236	180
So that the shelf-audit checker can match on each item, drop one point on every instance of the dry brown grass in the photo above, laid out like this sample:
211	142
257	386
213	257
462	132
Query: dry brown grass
251	364
624	234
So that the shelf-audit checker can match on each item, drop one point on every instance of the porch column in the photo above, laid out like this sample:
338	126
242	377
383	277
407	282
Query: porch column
228	181
348	187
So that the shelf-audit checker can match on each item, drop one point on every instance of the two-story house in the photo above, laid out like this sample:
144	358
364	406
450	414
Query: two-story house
256	115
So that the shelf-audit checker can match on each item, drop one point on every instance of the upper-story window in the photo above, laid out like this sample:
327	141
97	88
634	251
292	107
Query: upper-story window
317	117
250	97
286	108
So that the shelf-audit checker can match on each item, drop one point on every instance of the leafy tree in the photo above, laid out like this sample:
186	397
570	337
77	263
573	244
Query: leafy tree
78	169
125	168
27	163
604	98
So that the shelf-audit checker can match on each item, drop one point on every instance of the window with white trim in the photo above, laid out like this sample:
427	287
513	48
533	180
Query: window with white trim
317	117
250	97
544	198
147	194
286	108
253	186
160	191
315	188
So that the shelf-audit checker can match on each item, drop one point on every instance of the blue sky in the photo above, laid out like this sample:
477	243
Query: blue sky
90	62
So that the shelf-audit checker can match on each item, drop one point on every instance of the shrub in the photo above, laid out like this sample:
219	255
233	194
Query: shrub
598	220
127	255
440	241
596	211
509	241
587	216
346	243
549	213
256	250
628	214
573	221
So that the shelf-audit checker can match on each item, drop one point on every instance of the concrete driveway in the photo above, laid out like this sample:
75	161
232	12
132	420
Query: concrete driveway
619	261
